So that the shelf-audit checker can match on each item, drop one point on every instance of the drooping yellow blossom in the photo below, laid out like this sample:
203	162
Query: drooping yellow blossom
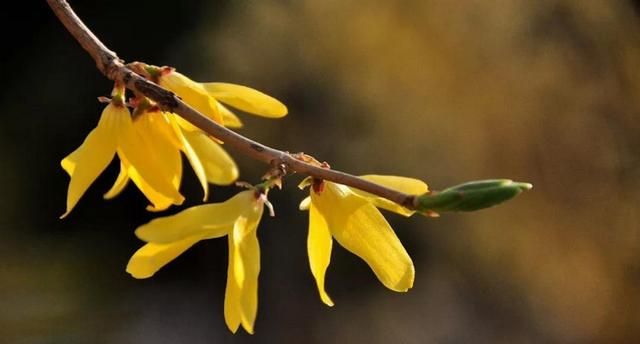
238	218
350	216
115	133
167	139
208	97
160	137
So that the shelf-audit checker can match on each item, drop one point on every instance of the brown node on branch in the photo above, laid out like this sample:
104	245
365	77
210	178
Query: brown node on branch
309	159
278	169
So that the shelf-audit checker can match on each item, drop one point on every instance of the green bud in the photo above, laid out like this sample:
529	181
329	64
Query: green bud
470	196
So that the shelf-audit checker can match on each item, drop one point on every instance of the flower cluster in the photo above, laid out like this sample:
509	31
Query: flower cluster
348	215
150	142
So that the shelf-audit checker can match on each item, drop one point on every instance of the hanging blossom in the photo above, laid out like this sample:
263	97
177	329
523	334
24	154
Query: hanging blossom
351	217
209	161
115	133
238	219
149	145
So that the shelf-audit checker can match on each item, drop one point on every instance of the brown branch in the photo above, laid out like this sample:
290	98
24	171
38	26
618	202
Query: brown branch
113	68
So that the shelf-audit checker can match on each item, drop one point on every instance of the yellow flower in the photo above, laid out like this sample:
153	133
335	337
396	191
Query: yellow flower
115	132
238	218
350	216
167	139
207	97
149	146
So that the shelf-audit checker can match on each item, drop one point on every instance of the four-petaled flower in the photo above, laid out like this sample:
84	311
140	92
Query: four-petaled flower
209	160
238	218
115	133
351	217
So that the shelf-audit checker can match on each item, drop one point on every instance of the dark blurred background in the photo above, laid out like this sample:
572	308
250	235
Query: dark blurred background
445	91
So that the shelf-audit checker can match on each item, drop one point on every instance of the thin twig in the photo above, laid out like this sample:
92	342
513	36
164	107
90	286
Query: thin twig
113	68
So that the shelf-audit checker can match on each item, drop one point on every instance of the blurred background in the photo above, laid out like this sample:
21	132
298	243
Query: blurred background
445	91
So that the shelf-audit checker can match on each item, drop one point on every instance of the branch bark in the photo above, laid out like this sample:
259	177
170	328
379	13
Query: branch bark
114	68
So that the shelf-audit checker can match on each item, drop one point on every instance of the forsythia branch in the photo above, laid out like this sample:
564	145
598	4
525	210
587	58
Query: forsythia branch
114	68
149	143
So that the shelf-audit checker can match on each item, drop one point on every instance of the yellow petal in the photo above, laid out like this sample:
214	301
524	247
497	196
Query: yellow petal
208	220
155	137
159	202
152	257
192	93
230	118
86	163
121	181
360	228
151	165
241	296
164	127
232	293
319	244
407	185
192	156
306	182
219	167
92	157
403	184
305	203
69	162
246	99
161	137
184	124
